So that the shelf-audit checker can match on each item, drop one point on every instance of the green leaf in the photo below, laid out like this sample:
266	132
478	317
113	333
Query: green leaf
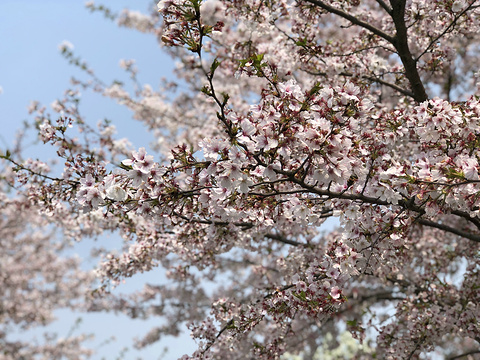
125	167
259	58
226	97
231	325
206	90
301	295
214	66
352	323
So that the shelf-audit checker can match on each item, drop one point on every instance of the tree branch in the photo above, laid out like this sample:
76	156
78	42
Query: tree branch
393	86
449	229
21	167
400	42
244	226
284	240
385	7
417	346
352	19
454	21
464	354
373	78
406	204
230	323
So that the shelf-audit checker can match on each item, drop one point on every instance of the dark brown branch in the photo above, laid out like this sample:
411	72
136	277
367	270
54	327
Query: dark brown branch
400	42
284	240
385	7
393	86
449	229
352	19
406	204
464	354
474	220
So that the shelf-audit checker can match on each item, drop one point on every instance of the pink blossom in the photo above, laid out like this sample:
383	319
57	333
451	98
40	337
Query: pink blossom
335	292
138	176
116	193
88	181
333	272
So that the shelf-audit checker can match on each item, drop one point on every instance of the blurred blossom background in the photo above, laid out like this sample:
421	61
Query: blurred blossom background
32	69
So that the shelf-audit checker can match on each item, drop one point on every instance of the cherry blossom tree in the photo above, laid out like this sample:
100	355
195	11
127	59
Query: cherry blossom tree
287	114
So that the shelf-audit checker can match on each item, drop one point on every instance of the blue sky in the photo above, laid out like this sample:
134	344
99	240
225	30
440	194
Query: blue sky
31	68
